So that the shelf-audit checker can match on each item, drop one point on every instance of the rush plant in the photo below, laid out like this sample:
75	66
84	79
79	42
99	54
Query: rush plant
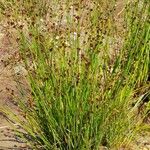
84	73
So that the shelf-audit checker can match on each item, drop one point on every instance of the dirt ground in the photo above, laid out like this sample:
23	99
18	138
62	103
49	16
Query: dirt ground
10	72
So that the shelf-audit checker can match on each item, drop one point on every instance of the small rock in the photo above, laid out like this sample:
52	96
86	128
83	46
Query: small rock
20	70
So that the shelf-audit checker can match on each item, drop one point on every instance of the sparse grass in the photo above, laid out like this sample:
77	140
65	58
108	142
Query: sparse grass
82	87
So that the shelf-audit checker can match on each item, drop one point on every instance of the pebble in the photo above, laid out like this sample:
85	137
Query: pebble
20	70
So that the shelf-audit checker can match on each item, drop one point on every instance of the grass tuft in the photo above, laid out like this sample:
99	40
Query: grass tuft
83	83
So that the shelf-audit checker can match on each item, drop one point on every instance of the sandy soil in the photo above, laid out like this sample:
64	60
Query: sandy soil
10	72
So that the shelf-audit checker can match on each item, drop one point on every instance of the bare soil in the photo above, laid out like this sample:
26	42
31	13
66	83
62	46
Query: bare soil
9	74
